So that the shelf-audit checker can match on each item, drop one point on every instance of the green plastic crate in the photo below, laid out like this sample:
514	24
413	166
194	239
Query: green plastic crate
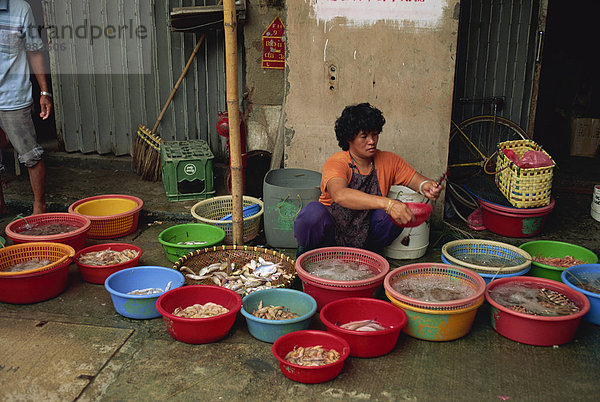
187	170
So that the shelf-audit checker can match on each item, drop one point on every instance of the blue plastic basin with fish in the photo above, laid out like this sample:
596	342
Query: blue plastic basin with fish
149	282
270	330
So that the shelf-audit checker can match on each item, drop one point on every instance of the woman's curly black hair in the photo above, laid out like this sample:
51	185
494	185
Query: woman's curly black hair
356	118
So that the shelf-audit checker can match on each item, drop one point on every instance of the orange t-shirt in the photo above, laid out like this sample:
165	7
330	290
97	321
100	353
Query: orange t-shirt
391	170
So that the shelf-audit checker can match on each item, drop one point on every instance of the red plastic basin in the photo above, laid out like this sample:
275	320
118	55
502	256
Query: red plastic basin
34	287
198	330
365	344
324	294
75	238
306	338
514	222
98	273
531	329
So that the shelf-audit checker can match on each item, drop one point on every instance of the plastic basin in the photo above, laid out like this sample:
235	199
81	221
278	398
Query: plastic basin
129	279
514	222
34	287
487	277
98	273
550	248
200	232
327	290
365	344
310	374
75	238
583	271
270	330
531	329
437	325
105	206
199	330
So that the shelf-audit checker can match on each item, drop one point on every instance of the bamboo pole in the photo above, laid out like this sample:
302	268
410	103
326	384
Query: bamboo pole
235	145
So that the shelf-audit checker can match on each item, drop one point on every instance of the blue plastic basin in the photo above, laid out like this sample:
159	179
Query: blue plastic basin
270	330
581	272
140	306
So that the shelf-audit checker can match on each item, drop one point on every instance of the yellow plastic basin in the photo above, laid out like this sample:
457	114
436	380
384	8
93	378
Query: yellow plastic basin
106	207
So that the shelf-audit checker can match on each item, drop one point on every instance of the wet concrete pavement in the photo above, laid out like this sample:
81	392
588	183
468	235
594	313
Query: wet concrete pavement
76	346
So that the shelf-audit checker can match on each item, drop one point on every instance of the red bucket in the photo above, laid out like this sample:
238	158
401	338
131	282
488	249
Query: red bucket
532	329
514	222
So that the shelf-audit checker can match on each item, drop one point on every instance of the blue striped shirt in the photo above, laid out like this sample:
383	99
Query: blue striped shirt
18	34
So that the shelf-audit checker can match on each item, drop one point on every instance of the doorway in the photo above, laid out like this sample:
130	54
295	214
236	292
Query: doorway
569	79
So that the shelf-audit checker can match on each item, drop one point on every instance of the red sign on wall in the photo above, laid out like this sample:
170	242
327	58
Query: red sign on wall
274	46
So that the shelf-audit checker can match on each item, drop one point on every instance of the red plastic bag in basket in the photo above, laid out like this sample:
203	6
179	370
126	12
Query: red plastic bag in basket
510	154
534	159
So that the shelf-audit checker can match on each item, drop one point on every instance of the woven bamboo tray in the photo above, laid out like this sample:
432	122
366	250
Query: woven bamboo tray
517	259
240	255
523	187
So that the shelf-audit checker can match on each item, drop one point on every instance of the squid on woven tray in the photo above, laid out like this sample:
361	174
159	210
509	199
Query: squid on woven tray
255	275
272	312
107	257
312	356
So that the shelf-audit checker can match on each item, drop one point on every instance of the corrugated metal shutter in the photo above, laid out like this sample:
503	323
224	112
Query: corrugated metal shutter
106	86
495	57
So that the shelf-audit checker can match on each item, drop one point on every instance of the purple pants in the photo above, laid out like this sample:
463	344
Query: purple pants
314	228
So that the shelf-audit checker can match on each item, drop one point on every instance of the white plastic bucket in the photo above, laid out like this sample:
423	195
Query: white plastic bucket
419	235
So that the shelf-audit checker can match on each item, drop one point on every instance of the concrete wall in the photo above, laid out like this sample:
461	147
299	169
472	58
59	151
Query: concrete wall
399	56
264	86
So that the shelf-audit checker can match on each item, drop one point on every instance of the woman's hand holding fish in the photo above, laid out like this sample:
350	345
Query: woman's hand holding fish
399	212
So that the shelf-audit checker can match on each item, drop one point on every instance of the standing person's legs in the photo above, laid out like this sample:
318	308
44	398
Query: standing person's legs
382	231
314	227
19	129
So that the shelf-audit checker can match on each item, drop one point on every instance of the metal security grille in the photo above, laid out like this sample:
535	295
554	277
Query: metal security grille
108	78
495	57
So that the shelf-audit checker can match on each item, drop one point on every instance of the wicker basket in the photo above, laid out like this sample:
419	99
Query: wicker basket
523	187
375	262
56	253
423	270
110	226
210	211
240	255
458	250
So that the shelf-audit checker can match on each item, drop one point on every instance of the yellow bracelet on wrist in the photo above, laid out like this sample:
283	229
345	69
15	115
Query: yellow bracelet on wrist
390	204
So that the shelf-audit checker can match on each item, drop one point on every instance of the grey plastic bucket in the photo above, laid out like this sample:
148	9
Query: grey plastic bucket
285	192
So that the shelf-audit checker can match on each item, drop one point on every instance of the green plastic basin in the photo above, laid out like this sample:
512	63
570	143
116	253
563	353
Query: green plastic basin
558	249
206	235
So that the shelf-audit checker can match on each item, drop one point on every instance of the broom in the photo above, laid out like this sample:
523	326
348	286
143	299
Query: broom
146	153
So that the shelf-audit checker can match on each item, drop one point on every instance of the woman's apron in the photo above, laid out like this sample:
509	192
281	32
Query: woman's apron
351	225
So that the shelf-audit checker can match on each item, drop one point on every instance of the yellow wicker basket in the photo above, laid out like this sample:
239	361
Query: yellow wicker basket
523	187
210	211
239	255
